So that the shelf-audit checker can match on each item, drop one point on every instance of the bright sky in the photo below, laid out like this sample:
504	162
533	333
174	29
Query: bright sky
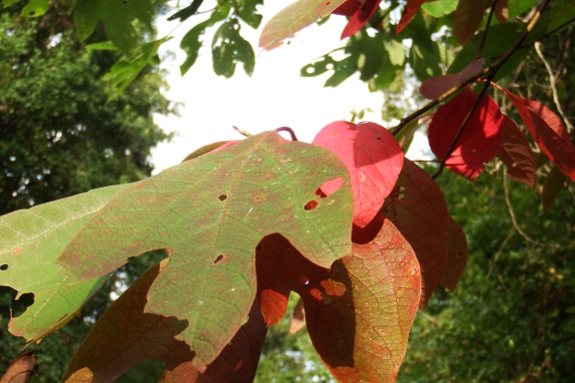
273	97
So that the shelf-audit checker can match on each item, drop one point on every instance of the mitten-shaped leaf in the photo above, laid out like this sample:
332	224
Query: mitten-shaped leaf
411	8
359	312
480	140
418	210
30	242
126	336
516	154
359	13
294	18
467	19
548	131
434	87
456	256
374	159
211	213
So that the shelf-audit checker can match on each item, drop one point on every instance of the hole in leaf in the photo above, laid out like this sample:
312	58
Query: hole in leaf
310	205
4	267
218	259
20	305
223	197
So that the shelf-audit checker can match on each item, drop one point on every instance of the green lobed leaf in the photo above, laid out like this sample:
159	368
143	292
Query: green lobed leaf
30	242
211	213
35	8
191	43
294	18
440	8
117	17
247	11
229	48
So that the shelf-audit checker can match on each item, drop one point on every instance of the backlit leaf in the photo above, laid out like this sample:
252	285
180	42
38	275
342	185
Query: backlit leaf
358	313
456	256
35	8
294	18
516	154
548	131
411	8
373	158
434	87
358	14
212	212
467	19
480	139
126	335
229	48
30	242
20	370
552	187
439	8
418	210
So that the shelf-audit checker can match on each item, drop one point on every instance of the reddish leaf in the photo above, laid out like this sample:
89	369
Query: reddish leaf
20	370
516	154
359	12
502	11
126	336
552	187
467	19
297	317
373	158
418	210
456	256
479	141
294	18
548	131
434	87
411	8
359	312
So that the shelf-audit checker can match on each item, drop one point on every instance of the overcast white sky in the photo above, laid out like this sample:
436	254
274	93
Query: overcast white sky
274	96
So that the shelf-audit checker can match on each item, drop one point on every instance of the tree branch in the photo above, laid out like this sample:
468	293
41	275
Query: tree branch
484	37
492	69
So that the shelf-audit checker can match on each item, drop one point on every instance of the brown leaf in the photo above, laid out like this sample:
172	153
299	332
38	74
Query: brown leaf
456	257
21	369
502	11
516	154
467	19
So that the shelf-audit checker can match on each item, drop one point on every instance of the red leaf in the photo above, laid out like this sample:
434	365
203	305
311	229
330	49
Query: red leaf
418	210
516	154
411	8
359	12
373	158
548	131
126	336
456	256
502	11
434	87
479	141
467	19
359	312
21	369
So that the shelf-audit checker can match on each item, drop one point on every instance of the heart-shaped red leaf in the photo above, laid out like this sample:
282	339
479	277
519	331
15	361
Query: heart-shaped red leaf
456	256
548	131
411	8
516	154
126	336
480	140
358	313
374	160
434	87
418	210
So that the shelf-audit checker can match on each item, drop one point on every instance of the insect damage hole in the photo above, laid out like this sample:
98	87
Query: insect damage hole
218	259
4	267
223	197
329	187
310	205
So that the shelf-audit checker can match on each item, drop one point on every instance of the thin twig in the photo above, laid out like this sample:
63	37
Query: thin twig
488	275
484	37
289	130
428	317
487	71
463	124
549	33
553	81
512	213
